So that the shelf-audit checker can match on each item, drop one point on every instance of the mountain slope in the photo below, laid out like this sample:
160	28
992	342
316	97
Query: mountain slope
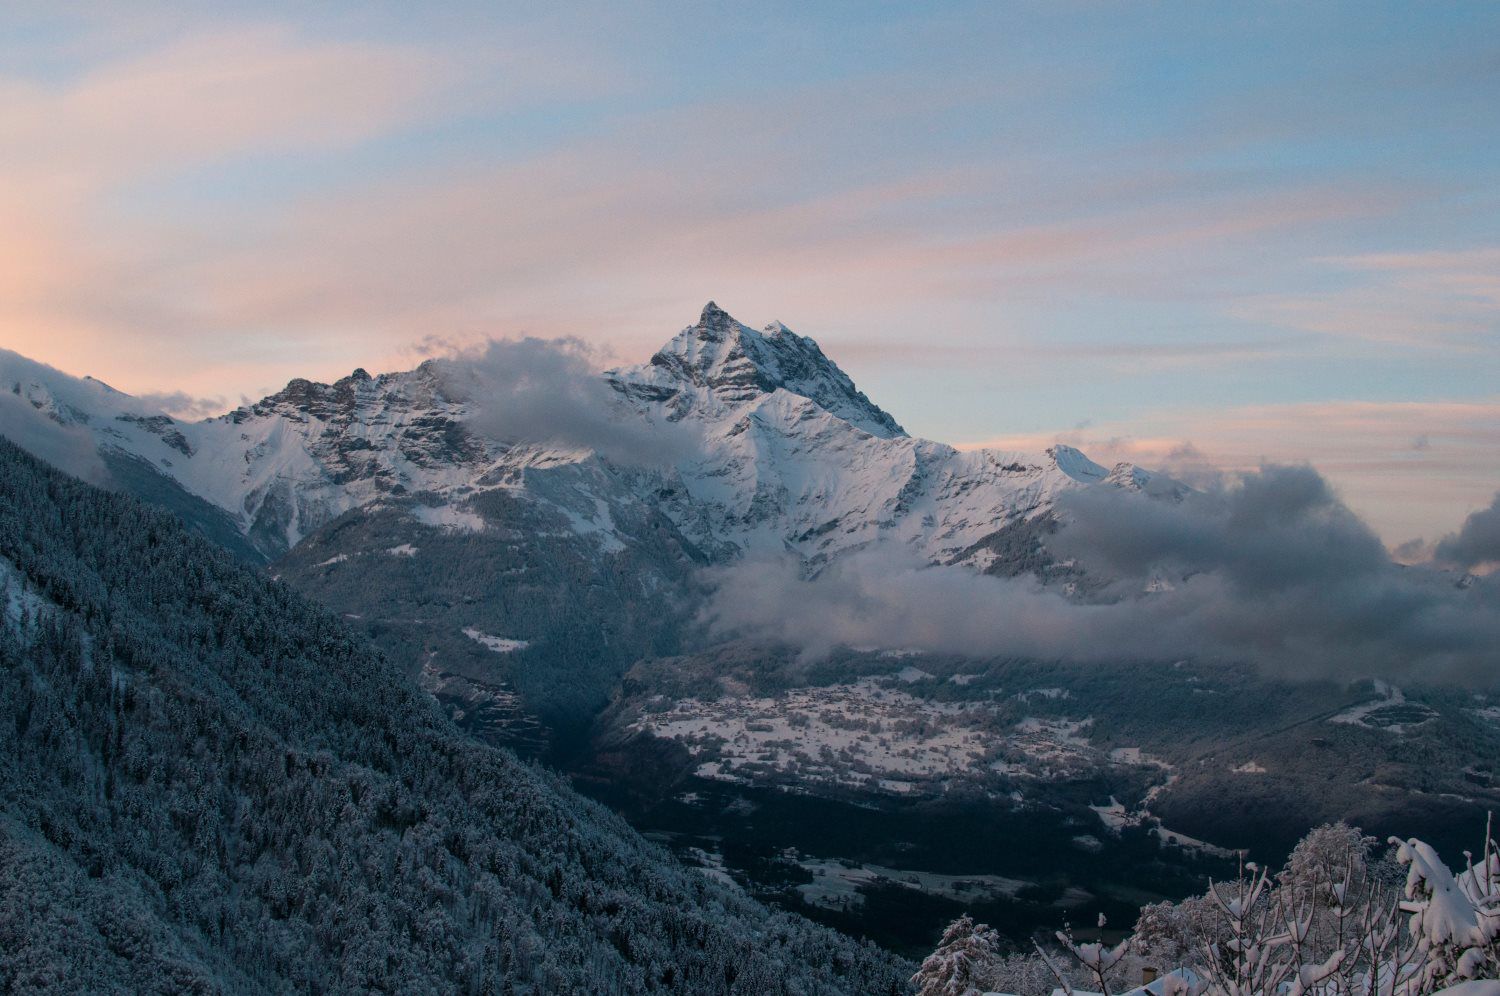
211	786
802	461
788	454
400	501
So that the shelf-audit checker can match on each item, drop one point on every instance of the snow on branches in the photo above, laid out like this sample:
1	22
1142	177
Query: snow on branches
1329	924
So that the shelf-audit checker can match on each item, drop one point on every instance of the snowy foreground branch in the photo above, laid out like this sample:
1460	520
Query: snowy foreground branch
1332	923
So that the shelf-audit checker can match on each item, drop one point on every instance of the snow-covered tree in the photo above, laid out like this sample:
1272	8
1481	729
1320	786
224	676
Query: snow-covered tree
962	963
1330	853
1169	933
1455	920
1022	973
210	785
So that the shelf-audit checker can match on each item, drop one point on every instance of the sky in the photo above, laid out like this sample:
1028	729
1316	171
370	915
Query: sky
1180	233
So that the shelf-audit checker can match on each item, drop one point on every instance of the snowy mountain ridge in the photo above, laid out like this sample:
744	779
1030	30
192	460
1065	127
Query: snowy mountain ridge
709	367
791	455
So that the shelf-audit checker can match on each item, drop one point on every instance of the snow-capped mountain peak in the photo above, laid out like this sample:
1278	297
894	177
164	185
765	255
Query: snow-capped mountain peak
1077	466
721	363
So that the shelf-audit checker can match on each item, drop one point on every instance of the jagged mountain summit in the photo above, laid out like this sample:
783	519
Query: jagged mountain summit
712	367
794	457
787	455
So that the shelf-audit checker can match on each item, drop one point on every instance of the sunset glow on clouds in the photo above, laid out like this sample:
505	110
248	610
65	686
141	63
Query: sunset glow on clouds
1184	223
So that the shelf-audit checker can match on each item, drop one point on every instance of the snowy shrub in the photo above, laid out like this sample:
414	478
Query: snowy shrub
1455	922
1331	923
1168	933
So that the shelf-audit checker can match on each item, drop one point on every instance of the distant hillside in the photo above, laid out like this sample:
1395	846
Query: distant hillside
209	785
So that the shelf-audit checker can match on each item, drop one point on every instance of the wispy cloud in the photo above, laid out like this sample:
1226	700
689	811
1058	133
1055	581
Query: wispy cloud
1435	298
206	97
808	197
550	391
86	265
546	244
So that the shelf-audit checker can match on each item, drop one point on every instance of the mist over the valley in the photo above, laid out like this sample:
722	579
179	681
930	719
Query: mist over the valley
1271	569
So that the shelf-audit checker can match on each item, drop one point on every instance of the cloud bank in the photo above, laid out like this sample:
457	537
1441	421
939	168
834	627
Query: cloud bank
549	391
1477	542
1409	468
69	448
1273	571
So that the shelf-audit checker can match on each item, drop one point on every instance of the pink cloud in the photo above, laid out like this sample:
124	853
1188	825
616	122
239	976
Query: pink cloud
559	243
762	202
206	97
86	270
1421	298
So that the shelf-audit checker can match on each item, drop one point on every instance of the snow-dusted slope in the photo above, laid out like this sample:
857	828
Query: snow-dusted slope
287	464
791	455
794	457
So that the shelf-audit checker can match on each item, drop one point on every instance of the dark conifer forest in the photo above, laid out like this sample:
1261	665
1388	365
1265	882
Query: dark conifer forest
211	785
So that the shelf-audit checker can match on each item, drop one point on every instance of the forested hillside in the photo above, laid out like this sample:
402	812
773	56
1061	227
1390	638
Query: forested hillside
210	785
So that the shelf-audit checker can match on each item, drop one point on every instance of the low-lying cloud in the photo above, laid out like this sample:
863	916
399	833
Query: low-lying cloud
1477	542
69	448
26	421
182	405
1273	571
549	391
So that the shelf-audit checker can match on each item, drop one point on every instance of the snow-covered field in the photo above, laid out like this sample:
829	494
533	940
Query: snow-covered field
499	644
1390	712
448	517
1116	818
869	735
